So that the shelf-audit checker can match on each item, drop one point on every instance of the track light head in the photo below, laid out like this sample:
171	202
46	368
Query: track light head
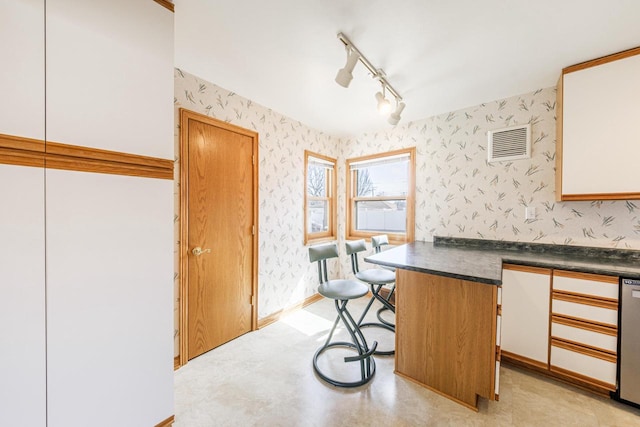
344	76
394	118
384	106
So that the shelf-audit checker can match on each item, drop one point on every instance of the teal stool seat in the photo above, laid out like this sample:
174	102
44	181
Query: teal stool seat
342	289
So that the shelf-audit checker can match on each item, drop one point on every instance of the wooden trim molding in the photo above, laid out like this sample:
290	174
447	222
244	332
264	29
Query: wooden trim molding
587	276
20	143
609	303
167	423
599	196
516	359
166	4
20	151
10	156
274	317
526	269
559	136
588	325
583	381
602	60
587	350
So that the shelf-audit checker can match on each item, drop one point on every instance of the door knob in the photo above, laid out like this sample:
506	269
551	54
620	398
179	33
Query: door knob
197	251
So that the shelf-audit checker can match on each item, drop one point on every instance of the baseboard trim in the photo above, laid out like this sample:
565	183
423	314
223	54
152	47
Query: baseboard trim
274	317
166	423
559	374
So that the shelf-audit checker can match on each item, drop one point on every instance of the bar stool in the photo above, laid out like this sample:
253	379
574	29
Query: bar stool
376	278
376	243
341	291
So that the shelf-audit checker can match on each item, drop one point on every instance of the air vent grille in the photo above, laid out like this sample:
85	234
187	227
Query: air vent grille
510	143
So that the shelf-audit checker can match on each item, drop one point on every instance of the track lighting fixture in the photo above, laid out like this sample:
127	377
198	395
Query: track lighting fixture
394	117
344	77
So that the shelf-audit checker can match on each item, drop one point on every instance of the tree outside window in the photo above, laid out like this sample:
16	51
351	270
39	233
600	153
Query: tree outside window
320	206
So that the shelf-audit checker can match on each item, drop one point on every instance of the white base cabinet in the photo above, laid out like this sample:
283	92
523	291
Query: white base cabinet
562	323
525	312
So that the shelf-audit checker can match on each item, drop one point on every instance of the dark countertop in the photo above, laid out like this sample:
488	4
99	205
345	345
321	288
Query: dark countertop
481	260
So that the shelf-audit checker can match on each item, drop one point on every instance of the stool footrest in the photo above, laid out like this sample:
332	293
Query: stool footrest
363	356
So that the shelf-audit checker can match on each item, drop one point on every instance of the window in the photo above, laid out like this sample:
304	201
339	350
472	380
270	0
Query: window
381	194
319	198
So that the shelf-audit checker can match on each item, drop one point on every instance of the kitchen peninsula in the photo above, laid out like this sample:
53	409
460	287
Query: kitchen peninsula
448	306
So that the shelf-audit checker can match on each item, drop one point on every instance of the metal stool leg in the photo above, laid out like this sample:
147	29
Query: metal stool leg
359	343
386	305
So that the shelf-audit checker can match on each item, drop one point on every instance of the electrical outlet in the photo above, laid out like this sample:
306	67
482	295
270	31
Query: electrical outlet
529	213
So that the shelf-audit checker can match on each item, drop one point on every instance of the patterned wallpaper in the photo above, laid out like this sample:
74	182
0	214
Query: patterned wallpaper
458	193
285	275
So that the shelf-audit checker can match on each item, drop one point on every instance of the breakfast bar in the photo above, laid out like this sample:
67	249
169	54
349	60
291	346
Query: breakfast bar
449	309
446	321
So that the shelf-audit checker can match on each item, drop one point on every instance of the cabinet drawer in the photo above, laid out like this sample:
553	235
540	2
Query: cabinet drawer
586	284
586	312
584	365
583	336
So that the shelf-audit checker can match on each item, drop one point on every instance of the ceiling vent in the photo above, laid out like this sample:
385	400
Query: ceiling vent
512	143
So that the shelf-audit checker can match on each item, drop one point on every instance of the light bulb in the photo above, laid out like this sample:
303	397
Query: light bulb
384	106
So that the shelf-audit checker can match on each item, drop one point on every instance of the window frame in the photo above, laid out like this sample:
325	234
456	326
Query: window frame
351	177
331	191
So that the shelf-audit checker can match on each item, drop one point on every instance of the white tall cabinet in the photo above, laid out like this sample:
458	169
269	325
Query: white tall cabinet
88	339
22	221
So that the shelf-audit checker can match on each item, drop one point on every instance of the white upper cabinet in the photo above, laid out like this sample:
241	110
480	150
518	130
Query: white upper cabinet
110	75
598	132
22	70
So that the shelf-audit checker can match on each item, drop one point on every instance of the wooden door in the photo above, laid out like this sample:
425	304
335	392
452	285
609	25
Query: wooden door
221	216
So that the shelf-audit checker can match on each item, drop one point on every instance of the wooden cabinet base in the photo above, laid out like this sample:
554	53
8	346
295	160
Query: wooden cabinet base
446	335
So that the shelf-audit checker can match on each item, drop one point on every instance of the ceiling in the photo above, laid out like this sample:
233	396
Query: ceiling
440	55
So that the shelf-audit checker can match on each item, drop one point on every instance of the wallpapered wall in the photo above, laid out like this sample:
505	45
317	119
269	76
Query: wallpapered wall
285	275
458	193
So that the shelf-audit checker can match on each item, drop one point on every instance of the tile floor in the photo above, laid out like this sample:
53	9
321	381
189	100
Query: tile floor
265	378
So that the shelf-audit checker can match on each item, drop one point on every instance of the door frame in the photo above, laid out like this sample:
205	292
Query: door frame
185	116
